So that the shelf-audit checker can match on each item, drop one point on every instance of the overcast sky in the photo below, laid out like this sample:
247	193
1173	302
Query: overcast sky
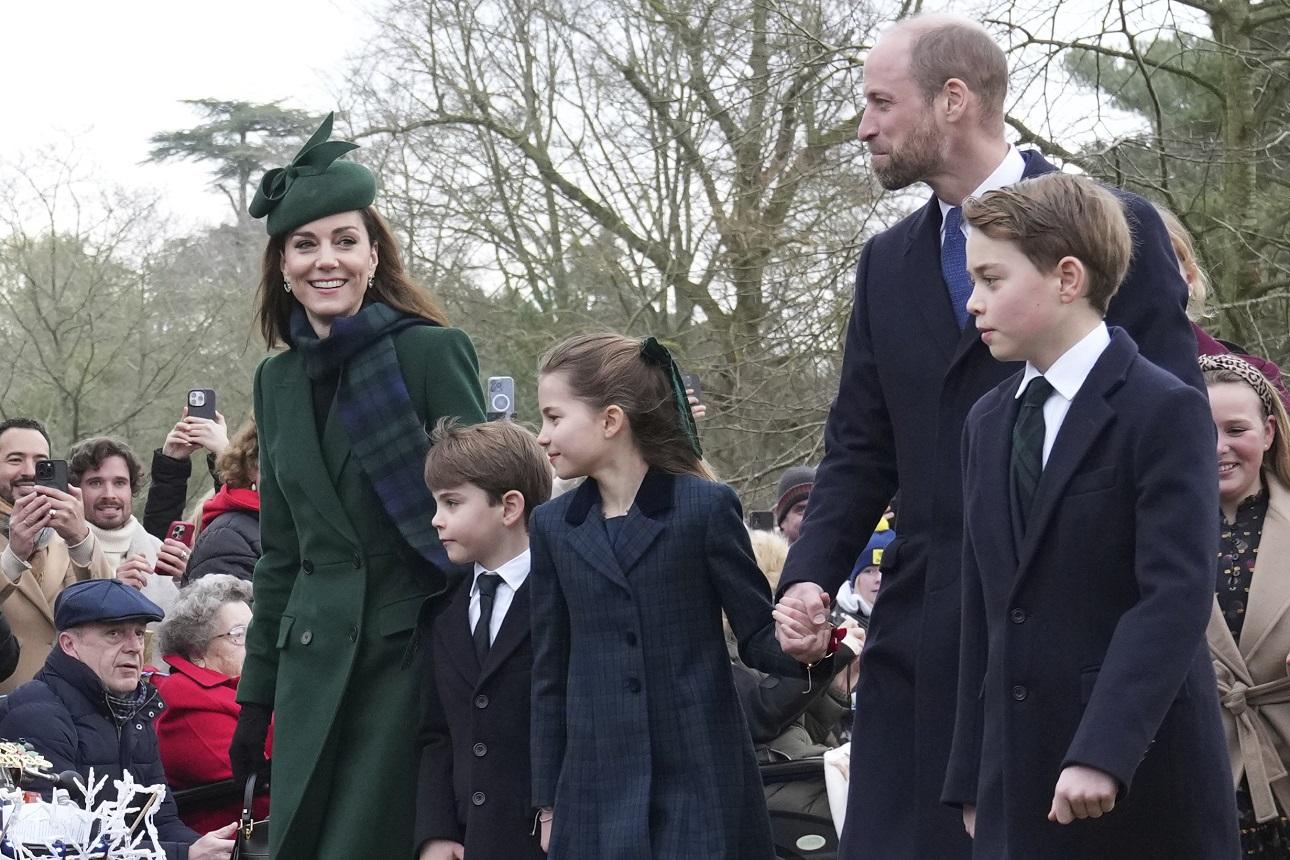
100	78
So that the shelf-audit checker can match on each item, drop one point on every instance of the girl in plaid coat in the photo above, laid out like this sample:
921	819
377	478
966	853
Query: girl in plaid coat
640	749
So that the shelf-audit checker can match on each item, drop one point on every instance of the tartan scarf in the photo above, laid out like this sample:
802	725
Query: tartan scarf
375	408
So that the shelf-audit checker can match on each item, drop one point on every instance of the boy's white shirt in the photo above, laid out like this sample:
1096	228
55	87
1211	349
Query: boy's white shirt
513	574
1066	376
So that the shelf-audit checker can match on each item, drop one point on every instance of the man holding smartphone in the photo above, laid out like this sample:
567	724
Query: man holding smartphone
47	545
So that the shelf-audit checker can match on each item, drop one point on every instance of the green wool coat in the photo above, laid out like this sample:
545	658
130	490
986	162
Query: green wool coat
337	593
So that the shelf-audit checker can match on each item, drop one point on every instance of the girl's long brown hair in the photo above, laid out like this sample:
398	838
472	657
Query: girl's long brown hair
390	284
604	369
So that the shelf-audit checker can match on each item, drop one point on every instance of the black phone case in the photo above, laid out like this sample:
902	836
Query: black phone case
207	409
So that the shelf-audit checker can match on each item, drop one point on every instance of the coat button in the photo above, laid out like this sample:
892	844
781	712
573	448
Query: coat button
480	750
1018	615
358	561
353	634
1020	693
481	701
307	566
306	637
631	638
478	798
633	685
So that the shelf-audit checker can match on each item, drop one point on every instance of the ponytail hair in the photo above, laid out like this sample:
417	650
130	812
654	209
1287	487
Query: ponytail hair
609	369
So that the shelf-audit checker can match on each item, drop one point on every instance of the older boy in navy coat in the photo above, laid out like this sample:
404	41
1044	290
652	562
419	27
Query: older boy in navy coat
473	791
1088	723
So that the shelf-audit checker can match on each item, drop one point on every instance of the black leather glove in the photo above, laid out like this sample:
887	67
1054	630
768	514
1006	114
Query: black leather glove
246	752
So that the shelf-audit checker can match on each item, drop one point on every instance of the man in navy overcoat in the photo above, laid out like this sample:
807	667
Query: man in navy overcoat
910	373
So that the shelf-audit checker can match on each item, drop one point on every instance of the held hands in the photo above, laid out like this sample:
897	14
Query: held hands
216	845
134	571
172	559
969	820
1082	792
193	433
802	622
442	849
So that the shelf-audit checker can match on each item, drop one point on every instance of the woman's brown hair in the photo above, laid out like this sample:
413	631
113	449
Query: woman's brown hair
607	369
390	283
239	463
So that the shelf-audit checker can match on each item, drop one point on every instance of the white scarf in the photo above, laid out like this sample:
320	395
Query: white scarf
131	539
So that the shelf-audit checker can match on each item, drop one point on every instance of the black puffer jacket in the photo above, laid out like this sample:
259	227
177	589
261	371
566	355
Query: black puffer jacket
64	714
230	544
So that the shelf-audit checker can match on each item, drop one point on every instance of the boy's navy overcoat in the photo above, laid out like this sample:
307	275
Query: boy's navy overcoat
1084	639
909	377
639	741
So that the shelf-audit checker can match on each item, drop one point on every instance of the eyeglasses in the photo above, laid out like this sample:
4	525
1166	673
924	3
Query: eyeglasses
237	635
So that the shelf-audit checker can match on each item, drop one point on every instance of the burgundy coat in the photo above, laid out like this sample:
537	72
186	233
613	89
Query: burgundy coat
195	731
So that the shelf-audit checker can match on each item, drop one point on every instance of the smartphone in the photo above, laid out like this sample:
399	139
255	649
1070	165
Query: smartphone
761	520
182	532
691	381
501	398
52	474
201	403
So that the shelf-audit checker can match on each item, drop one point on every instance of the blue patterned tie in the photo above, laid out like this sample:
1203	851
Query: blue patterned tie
954	265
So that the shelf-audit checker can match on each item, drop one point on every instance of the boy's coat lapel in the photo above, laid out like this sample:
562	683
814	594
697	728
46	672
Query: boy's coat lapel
995	452
455	628
515	629
1088	415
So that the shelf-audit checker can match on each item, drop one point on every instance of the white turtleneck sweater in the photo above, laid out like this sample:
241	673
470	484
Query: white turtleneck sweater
131	539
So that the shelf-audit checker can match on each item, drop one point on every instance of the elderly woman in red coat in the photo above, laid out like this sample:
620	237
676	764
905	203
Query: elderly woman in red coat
204	641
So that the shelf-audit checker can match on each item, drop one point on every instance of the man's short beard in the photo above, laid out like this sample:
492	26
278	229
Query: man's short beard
915	161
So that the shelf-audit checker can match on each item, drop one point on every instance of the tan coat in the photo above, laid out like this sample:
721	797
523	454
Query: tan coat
1253	683
28	605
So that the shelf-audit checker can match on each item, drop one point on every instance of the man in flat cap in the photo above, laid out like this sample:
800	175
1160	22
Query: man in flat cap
88	707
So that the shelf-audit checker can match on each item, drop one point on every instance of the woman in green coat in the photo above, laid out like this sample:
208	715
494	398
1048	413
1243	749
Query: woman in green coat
349	552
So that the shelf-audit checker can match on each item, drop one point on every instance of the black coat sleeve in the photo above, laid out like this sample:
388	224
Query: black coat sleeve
9	649
772	702
166	493
227	545
857	477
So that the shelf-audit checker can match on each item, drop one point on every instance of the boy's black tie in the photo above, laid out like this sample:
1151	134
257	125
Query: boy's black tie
487	584
1028	446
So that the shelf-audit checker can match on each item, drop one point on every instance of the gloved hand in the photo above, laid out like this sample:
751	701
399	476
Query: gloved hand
246	752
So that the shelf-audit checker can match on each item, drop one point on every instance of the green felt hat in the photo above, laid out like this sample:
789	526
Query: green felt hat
314	185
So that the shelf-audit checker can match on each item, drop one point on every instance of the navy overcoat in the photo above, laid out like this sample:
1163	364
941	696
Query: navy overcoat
909	377
638	738
1084	640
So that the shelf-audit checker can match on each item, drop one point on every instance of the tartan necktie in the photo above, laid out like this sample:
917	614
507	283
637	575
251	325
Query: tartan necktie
954	265
1027	462
487	584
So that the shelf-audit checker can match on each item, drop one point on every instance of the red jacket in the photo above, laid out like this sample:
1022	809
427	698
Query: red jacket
194	732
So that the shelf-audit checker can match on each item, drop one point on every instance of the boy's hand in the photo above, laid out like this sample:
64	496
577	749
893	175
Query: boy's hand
1082	792
545	817
442	849
969	819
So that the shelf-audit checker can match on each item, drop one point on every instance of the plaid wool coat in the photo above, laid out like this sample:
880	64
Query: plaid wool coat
638	738
337	595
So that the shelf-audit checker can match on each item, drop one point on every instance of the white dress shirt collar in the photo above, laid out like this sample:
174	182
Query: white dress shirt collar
1068	372
1009	172
513	573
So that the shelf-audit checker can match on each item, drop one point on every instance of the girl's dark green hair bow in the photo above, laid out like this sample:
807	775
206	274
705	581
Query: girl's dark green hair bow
314	185
655	353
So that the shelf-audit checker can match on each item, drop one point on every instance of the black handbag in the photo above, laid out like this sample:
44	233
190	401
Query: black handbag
252	836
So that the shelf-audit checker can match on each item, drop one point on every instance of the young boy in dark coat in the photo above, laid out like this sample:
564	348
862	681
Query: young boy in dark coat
473	790
1087	721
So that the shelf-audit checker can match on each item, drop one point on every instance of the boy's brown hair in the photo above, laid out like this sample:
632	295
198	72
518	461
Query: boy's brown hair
1060	215
497	457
